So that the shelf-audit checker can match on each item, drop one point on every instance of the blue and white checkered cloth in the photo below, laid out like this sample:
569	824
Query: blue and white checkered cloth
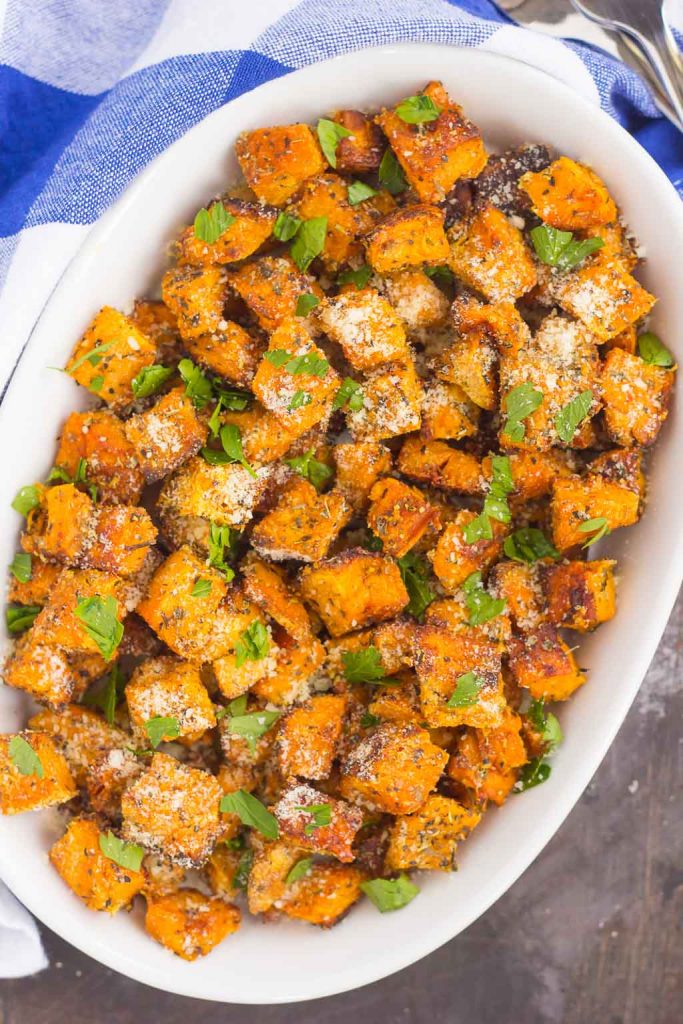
92	90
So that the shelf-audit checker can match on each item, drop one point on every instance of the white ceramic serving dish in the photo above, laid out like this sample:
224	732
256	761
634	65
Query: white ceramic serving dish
122	259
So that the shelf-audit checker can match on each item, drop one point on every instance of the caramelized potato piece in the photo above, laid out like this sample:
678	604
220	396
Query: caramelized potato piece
581	595
82	735
568	195
99	437
288	680
232	352
251	226
360	152
226	494
437	154
26	786
267	879
266	586
436	463
447	412
302	821
576	500
427	840
101	883
520	585
109	355
271	287
534	472
485	762
189	923
166	434
443	658
354	589
541	662
36	589
636	397
603	295
327	196
325	893
302	525
196	297
108	776
169	688
399	515
493	258
454	559
47	673
410	236
392	399
393	769
58	625
366	327
420	303
276	161
308	736
359	465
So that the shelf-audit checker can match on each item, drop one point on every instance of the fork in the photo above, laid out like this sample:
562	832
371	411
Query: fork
643	21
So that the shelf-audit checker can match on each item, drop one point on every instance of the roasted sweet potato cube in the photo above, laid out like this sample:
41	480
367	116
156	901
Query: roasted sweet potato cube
420	303
276	161
166	434
627	340
541	662
308	736
107	778
436	463
225	494
170	688
603	295
222	869
636	397
295	664
399	704
576	500
520	585
497	323
269	869
533	472
62	525
493	258
427	840
325	893
366	327
392	400
82	735
470	364
447	412
231	352
157	321
393	769
409	237
57	624
443	658
265	440
46	672
453	614
100	882
304	822
188	922
251	225
399	515
271	287
121	538
233	681
485	762
360	152
172	809
29	786
267	587
359	465
302	525
354	589
327	196
568	195
581	595
196	296
294	380
99	437
438	153
109	355
561	362
454	559
36	589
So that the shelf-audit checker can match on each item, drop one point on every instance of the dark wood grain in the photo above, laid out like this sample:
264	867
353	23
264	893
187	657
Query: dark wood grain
591	934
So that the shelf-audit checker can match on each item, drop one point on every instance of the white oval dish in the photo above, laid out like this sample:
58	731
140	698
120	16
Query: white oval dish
122	259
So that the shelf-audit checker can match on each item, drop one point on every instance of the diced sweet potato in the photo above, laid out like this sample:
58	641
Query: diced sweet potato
109	355
568	195
156	320
359	465
493	258
82	735
576	500
366	327
438	153
36	589
453	614
267	879
231	352
99	437
166	435
399	515
392	400
393	769
302	525
57	624
410	236
169	688
107	778
603	295
436	463
399	704
100	882
327	196
486	762
636	397
225	494
196	296
288	680
541	662
189	923
420	303
354	589
325	893
59	528
308	736
447	412
581	595
519	584
534	472
627	340
252	224
233	681
454	559
121	539
427	840
442	659
266	586
360	152
49	674
173	810
470	364
302	821
30	787
271	287
276	161
222	868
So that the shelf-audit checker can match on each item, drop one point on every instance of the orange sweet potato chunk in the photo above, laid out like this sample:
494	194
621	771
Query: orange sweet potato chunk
454	559
231	352
392	401
436	463
576	500
603	295
99	437
443	657
302	525
166	435
276	161
109	355
297	812
542	663
196	297
266	586
101	883
189	923
24	787
367	328
360	152
170	688
308	736
325	894
252	225
581	595
569	195
399	515
271	287
82	735
327	196
427	840
636	397
354	589
359	465
410	236
447	412
493	258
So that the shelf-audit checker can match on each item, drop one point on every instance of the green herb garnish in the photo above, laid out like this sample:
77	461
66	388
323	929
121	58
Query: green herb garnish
251	727
98	615
21	567
318	473
519	403
390	893
558	248
210	224
359	277
126	855
598	528
391	175
162	727
529	545
20	617
481	606
415	575
24	758
150	379
26	499
321	814
197	387
358	192
250	812
571	415
309	242
466	691
653	351
253	644
286	226
330	135
305	303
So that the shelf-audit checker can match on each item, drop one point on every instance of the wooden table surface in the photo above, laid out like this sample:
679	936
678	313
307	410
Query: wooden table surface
591	934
